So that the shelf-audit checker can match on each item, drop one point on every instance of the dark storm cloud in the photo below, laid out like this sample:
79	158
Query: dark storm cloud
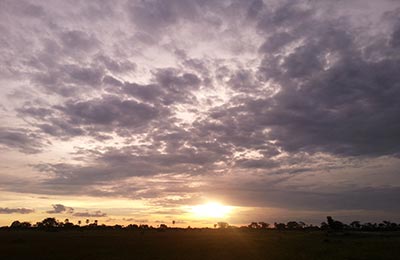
59	208
23	140
16	211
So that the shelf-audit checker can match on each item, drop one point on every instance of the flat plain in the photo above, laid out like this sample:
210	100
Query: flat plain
198	244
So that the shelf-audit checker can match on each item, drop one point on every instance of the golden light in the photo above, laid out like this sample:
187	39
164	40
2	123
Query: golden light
211	210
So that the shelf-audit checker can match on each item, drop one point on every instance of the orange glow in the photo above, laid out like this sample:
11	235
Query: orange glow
211	210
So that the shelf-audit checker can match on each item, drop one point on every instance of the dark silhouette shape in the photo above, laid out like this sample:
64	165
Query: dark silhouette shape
356	225
51	224
280	226
20	225
263	225
254	225
293	225
334	224
15	225
222	225
132	226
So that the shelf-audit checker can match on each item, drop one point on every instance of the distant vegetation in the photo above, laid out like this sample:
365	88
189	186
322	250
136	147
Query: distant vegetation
64	240
331	225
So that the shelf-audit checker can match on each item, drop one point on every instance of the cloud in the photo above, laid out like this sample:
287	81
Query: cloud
78	41
59	208
201	91
328	100
16	211
24	140
157	15
95	214
366	198
110	111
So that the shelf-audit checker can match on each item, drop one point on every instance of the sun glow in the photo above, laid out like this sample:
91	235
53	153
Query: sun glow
211	210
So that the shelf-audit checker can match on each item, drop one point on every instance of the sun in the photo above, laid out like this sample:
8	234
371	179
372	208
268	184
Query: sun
211	210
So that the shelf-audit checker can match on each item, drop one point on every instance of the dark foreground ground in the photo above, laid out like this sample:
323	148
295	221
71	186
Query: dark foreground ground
197	244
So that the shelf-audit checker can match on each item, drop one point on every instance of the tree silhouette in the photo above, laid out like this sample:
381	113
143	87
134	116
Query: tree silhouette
280	226
222	225
293	225
48	223
15	224
162	227
263	225
334	224
254	225
355	225
20	225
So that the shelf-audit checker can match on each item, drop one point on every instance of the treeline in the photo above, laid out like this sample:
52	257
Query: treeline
329	225
52	224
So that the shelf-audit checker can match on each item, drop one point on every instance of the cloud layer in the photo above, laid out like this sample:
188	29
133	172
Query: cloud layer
156	98
15	210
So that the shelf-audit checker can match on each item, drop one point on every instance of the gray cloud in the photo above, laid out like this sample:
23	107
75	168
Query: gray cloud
157	15
331	104
253	194
202	90
95	214
109	112
75	40
23	140
16	211
59	208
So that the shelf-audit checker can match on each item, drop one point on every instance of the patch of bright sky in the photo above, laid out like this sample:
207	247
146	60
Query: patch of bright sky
248	154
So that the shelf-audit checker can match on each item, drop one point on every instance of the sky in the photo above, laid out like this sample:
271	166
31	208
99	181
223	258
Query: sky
137	111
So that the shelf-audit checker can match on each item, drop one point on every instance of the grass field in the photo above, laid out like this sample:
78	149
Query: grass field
197	244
